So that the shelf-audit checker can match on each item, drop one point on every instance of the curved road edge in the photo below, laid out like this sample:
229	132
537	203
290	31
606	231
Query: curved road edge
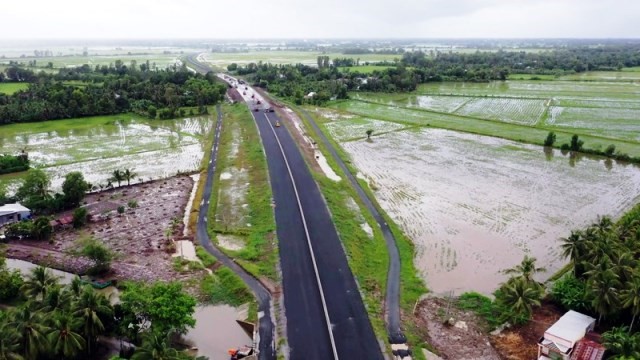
392	297
265	323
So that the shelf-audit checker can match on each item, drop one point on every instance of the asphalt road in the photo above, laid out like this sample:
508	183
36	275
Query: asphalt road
265	325
307	332
392	299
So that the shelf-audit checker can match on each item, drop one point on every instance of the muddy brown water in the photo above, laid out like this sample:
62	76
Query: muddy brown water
215	332
475	205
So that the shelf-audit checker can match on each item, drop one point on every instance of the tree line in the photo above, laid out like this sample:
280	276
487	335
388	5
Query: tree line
106	90
328	81
13	163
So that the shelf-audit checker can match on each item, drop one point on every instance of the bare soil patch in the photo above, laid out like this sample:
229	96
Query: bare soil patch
141	237
520	343
454	333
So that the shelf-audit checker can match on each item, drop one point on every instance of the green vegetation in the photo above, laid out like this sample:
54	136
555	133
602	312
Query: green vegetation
514	300
207	259
368	258
605	262
51	97
163	306
259	255
225	287
97	252
11	163
363	69
10	88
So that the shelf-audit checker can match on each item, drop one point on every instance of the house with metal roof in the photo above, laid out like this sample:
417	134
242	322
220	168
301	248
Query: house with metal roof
10	213
560	340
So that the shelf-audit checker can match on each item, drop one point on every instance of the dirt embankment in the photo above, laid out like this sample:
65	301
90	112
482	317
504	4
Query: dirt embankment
141	237
454	333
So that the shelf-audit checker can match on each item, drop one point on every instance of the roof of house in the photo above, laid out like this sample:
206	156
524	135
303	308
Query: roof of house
588	350
12	209
571	327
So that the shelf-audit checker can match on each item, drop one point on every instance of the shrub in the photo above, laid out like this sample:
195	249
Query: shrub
132	204
79	217
570	293
121	209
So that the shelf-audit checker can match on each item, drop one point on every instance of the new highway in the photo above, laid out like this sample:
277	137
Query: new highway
325	315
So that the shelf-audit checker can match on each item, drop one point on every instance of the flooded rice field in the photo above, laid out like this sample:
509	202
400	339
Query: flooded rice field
97	146
475	205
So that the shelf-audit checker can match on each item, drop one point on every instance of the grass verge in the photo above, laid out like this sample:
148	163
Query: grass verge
259	255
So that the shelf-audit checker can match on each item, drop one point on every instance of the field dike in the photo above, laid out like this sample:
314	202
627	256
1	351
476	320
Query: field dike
367	252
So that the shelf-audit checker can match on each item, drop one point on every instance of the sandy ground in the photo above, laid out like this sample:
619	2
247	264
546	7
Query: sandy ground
476	205
138	237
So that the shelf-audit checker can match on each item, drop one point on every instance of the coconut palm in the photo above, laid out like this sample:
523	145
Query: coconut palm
630	298
603	283
520	296
128	174
9	342
93	309
573	246
38	282
526	269
117	176
30	326
63	338
75	286
156	347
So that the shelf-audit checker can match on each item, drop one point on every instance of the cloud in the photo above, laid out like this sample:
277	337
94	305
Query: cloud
318	19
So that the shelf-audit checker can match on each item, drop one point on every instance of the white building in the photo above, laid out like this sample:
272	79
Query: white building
560	339
10	213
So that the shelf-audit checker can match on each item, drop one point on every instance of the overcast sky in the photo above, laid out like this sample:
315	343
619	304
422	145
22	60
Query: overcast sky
319	18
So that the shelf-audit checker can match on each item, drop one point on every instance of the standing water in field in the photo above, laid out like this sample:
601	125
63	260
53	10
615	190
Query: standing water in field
475	205
97	146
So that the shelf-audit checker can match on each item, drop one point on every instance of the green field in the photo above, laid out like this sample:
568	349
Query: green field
364	69
59	62
10	88
98	145
221	60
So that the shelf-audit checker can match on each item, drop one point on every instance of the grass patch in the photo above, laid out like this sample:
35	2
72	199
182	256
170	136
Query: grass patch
207	259
483	307
225	287
530	77
364	69
10	88
510	131
259	255
368	258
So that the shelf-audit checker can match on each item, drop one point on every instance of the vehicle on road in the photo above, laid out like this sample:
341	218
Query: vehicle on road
268	110
259	102
256	109
253	96
277	123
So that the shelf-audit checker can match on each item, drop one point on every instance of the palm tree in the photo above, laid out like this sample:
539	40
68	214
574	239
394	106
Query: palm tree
526	269
38	282
9	342
520	296
117	176
64	339
156	347
573	246
31	328
604	284
630	298
129	174
75	286
92	308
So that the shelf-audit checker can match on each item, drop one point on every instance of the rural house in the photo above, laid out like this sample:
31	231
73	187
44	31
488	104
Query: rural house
568	334
11	213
